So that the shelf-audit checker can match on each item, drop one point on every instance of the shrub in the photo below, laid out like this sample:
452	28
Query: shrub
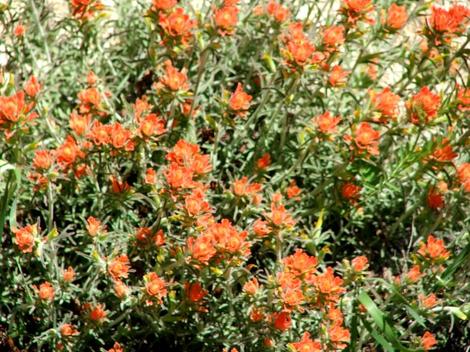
238	176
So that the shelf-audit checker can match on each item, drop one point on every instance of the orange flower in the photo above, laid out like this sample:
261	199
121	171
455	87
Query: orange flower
396	17
263	162
174	80
150	177
451	21
185	154
429	301
463	175
118	186
386	103
414	274
433	249
177	24
90	98
423	106
226	19
444	152
242	188
179	177
227	239
338	76
339	336
300	263
463	99
120	137
360	263
327	123
350	191
261	228
194	203
117	346
328	285
240	101
98	313
32	87
46	292
293	191
251	287
290	291
69	274
14	108
120	289
356	10
357	5
279	216
119	267
435	199
25	237
152	125
428	341
306	344
91	78
68	330
277	11
155	286
19	30
256	314
79	123
195	292
68	152
299	49
282	320
85	9
333	36
164	4
42	159
93	226
201	248
366	138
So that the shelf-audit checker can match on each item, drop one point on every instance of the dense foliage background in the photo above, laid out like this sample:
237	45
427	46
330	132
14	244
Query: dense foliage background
240	175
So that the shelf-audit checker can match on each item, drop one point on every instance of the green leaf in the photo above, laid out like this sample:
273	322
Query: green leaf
380	321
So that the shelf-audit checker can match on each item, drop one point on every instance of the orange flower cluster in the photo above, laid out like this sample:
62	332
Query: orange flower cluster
463	175
177	26
119	267
16	110
433	250
357	10
338	76
299	50
155	287
279	218
25	237
386	104
326	123
220	238
365	139
423	107
186	165
242	188
333	36
397	16
85	9
240	101
164	4
173	80
300	286
447	23
226	17
428	341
